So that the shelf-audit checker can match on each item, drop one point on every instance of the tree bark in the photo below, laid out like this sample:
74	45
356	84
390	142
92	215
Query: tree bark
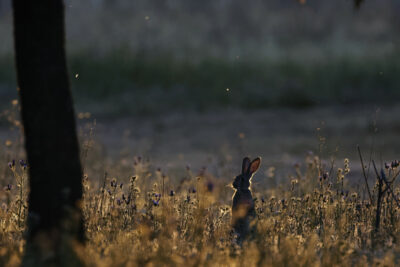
54	216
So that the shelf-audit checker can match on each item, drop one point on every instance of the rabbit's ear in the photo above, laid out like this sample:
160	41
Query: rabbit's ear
245	165
255	165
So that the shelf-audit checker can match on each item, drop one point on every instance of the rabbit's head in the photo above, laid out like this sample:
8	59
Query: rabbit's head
242	181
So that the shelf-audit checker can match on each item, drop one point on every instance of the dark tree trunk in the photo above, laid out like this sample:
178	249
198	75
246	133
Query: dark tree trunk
54	218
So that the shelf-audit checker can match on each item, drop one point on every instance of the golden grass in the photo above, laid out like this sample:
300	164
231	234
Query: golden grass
151	219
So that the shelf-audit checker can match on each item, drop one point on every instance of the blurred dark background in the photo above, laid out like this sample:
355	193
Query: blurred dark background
206	82
143	57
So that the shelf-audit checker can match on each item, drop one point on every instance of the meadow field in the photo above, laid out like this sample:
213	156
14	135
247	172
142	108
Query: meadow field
160	194
171	95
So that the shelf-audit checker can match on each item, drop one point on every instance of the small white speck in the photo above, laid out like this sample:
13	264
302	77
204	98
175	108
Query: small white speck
227	89
76	76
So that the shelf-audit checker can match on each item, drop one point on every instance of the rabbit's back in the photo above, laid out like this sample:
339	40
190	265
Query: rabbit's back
243	199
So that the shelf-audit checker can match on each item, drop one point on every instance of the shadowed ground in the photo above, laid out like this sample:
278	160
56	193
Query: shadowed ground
282	137
218	140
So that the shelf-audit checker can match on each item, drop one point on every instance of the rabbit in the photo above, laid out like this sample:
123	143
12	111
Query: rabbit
243	210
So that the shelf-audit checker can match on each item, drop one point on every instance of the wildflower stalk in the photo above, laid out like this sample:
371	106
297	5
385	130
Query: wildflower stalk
163	185
87	146
102	193
379	200
20	184
378	204
365	176
389	188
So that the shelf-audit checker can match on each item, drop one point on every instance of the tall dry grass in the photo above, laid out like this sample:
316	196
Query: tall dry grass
151	218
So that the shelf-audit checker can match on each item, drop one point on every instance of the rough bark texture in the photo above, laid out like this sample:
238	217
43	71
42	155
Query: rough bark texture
50	135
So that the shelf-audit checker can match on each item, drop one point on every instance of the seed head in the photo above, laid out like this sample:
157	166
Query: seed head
395	164
192	190
11	164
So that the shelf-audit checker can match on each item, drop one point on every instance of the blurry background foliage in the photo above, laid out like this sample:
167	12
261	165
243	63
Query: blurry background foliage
148	56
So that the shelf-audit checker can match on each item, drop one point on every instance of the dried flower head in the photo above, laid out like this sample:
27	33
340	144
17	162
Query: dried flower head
395	164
